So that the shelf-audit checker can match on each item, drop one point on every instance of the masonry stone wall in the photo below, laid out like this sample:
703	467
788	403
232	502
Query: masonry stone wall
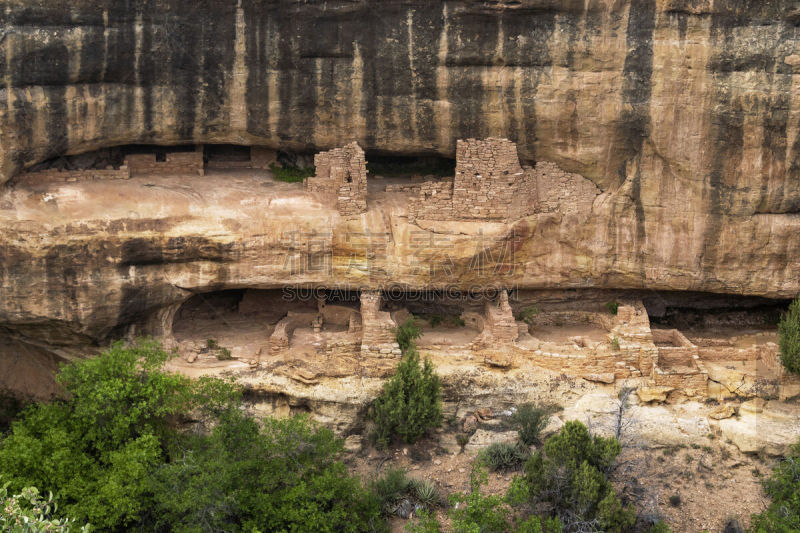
175	163
562	192
433	201
68	176
499	326
282	334
378	329
341	178
490	184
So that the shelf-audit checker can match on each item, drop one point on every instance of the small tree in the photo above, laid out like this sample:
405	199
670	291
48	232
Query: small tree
789	330
410	403
530	419
783	488
407	333
569	478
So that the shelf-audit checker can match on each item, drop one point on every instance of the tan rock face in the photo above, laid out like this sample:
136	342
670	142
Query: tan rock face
668	131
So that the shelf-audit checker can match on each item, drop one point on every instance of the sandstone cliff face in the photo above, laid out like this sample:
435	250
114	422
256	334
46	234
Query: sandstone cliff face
660	93
683	113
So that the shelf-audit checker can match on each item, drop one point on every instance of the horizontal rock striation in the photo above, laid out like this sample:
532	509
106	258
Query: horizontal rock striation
670	130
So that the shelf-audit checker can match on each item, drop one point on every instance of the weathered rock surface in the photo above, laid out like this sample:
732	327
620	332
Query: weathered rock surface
771	427
683	114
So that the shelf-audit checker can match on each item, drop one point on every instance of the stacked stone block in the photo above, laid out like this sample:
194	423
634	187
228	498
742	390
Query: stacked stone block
499	326
434	201
562	192
71	176
489	185
176	163
378	328
341	178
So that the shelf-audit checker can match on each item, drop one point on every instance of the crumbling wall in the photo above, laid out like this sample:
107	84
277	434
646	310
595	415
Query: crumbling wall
378	328
69	176
341	178
282	334
499	326
489	184
175	163
434	201
562	192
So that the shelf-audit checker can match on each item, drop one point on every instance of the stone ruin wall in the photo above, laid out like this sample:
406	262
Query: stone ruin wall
490	184
341	178
499	326
378	329
433	201
562	192
175	163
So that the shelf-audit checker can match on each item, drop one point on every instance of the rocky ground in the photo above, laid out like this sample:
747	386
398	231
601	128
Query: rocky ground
694	488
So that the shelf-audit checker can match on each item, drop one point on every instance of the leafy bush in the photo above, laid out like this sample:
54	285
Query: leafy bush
473	512
391	488
789	330
394	487
504	456
406	333
615	343
290	174
783	487
529	420
528	314
424	522
569	477
410	403
285	476
113	455
659	527
613	307
97	449
28	512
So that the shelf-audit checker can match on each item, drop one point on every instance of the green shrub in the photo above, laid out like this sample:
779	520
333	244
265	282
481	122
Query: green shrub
406	333
224	354
783	488
659	527
391	488
435	320
475	512
113	454
528	314
426	493
96	449
613	307
569	477
410	403
675	500
615	343
290	174
28	512
789	330
284	476
529	420
424	522
504	456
